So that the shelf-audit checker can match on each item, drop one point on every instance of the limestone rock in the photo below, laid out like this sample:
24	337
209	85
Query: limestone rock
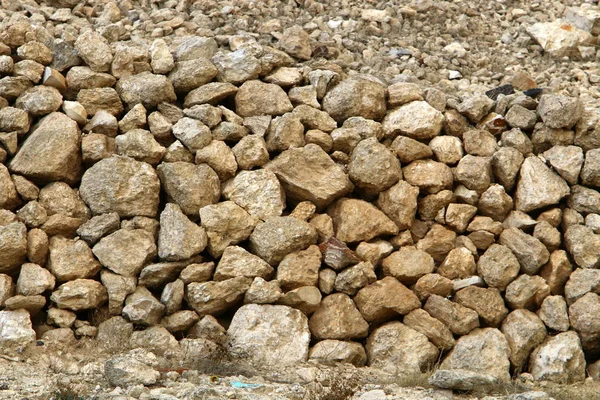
352	279
51	152
216	297
80	294
338	351
358	96
190	186
559	359
146	88
236	67
338	318
258	192
126	251
188	75
299	269
417	120
356	220
524	331
141	307
71	259
498	266
134	368
559	111
487	302
373	167
459	319
15	329
482	351
226	224
34	280
408	265
269	335
263	292
396	348
309	174
584	246
13	246
526	292
429	175
436	331
538	186
236	261
179	238
530	252
567	161
553	312
460	379
277	237
385	299
257	98
118	288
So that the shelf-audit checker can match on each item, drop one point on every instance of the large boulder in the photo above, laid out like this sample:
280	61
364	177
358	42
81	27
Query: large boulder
269	336
123	185
51	152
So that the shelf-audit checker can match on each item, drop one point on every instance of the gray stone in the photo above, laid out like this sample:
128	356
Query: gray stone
560	359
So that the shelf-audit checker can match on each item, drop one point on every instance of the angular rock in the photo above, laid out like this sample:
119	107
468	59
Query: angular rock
559	359
268	335
34	280
358	96
408	265
482	351
142	308
356	220
299	269
51	152
338	351
13	246
338	318
459	319
15	328
436	331
118	288
460	379
258	192
526	292
71	259
553	312
487	302
146	88
417	120
530	252
399	203
385	299
257	98
98	227
538	186
308	174
92	48
277	237
179	238
126	251
352	279
583	245
80	294
135	368
429	175
396	348
263	292
559	111
215	298
373	167
236	261
524	331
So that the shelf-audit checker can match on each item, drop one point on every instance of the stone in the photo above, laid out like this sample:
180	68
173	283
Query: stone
122	185
263	292
285	132
385	299
237	261
352	279
257	98
314	119
142	308
55	143
495	202
487	302
409	150
99	226
215	298
219	157
100	99
538	186
559	359
338	352
474	172
236	67
437	242
589	173
269	335
350	217
277	237
226	224
403	92
461	379
197	272
13	246
374	251
146	88
506	163
417	120
475	107
188	75
337	255
14	120
140	145
428	175
459	319
295	41
433	284
524	331
34	280
258	192
436	331
408	265
526	292
395	348
92	48
61	318
190	186
399	203
557	271
192	133
211	93
156	339
12	86
179	238
358	96
306	299
484	351
251	151
299	269
583	245
118	288
580	282
559	111
553	312
172	296
134	368
584	199
39	100
70	259
33	304
15	329
478	142
583	318
373	167
567	161
82	77
80	294
308	174
447	149
530	252
126	251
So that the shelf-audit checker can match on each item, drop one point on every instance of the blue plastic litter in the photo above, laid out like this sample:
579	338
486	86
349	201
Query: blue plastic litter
242	385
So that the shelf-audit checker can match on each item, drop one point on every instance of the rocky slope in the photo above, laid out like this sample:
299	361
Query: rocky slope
207	188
